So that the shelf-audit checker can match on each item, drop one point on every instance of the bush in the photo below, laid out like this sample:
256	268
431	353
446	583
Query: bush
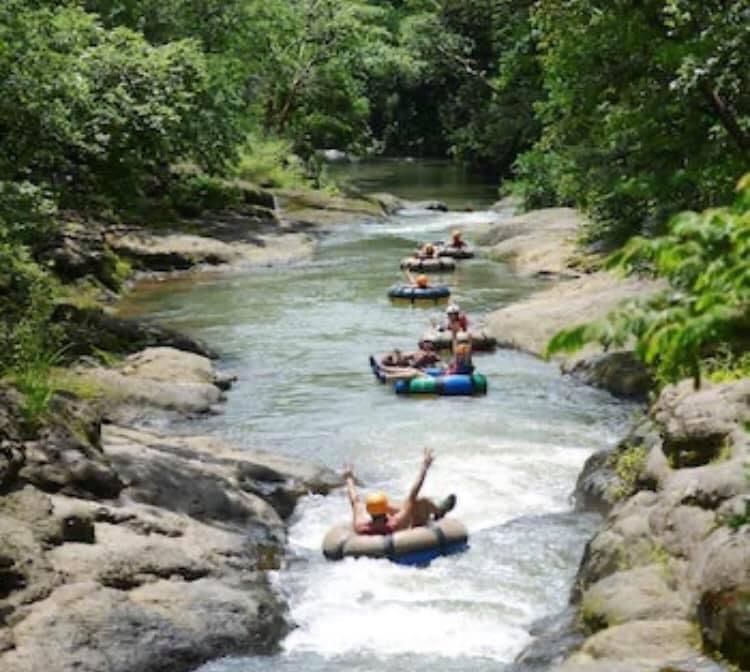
270	162
27	214
704	258
96	113
191	195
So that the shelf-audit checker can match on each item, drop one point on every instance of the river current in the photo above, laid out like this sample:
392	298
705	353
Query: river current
299	337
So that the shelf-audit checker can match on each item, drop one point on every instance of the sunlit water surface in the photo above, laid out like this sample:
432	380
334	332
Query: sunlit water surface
299	338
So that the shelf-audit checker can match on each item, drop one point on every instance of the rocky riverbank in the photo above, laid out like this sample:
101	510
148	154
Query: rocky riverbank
664	586
544	244
126	548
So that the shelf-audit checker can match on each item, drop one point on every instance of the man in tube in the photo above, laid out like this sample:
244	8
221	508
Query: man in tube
376	515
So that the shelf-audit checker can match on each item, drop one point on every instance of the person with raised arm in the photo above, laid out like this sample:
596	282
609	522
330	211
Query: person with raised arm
376	515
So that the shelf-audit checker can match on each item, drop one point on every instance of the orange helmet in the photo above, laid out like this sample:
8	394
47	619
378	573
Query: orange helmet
462	349
422	281
377	504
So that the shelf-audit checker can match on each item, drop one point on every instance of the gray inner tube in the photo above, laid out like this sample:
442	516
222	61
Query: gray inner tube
342	542
443	340
435	264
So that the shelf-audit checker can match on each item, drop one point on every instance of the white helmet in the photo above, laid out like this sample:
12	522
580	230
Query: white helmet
453	309
462	337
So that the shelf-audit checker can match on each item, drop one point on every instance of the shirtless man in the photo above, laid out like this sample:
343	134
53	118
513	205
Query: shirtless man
378	516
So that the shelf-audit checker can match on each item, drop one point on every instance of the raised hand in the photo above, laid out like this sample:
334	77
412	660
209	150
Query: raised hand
429	457
348	471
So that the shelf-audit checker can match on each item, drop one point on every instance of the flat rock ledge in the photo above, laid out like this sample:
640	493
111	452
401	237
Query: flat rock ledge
126	550
543	244
666	581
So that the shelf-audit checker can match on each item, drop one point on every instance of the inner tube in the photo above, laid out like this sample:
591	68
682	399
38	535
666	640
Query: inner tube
430	265
456	252
418	293
443	340
417	546
453	385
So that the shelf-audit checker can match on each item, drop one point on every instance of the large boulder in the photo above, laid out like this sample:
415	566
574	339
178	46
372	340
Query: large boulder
648	645
391	204
158	465
541	242
529	324
156	381
696	424
722	576
166	626
620	373
65	454
643	593
626	541
597	484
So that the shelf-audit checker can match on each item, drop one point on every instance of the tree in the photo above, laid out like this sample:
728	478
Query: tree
647	108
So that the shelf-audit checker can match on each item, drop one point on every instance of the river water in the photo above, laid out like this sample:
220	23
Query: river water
299	338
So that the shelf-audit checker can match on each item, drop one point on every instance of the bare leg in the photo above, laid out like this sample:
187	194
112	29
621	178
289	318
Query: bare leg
359	512
420	513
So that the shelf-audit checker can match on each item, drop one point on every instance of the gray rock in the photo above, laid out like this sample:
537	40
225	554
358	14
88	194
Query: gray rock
695	664
696	423
510	205
167	626
391	204
66	455
620	373
626	541
249	474
722	576
648	644
638	594
555	638
597	483
438	206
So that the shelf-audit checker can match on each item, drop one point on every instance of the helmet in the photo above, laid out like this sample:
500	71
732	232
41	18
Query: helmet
429	249
453	309
422	281
377	504
462	349
457	234
462	337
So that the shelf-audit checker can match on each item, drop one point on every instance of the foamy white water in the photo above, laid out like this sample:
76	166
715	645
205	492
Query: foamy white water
299	338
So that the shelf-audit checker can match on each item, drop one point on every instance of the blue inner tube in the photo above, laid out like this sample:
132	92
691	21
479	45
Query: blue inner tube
424	557
417	293
451	385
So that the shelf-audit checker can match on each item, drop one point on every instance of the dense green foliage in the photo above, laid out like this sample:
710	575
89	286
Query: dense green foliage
631	111
705	312
647	109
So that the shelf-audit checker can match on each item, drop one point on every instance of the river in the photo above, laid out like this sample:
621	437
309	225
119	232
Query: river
299	338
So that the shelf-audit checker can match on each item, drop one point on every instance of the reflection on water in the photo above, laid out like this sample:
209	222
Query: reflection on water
299	338
454	184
